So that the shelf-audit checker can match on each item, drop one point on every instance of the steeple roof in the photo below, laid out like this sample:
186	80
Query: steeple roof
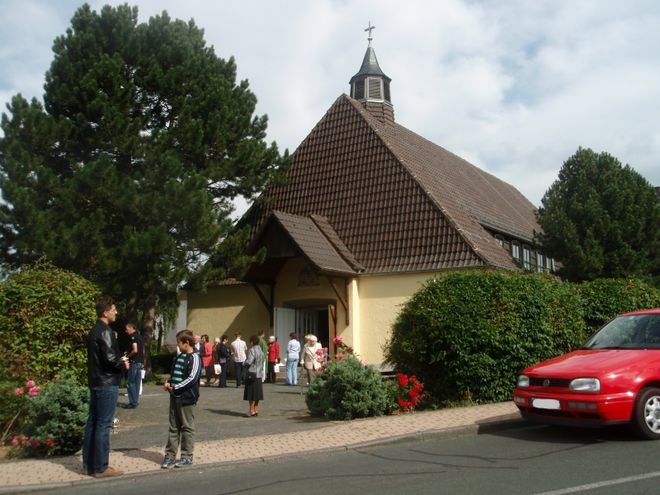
369	67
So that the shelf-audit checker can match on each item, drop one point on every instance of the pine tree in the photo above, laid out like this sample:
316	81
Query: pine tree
601	219
127	172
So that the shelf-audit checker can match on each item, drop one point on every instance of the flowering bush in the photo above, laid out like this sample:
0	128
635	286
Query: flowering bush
52	419
14	404
406	392
341	349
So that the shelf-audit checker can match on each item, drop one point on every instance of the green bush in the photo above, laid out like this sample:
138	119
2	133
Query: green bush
55	418
347	389
45	315
467	334
603	299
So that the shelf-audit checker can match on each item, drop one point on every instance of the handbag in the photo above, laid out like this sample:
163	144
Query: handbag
248	376
217	369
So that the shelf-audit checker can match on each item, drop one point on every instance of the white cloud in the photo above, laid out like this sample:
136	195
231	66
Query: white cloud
513	86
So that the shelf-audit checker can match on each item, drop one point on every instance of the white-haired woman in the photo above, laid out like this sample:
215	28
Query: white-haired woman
311	358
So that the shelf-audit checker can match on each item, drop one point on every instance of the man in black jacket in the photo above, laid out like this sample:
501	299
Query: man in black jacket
104	368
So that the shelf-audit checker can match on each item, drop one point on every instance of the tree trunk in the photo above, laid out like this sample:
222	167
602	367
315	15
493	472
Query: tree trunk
148	324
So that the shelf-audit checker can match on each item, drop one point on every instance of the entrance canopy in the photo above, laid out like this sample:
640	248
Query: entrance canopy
288	236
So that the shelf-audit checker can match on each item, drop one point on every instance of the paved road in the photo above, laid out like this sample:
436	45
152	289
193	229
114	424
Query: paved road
535	460
218	415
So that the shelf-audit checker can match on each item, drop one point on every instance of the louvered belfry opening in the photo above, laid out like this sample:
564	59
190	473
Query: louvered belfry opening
371	87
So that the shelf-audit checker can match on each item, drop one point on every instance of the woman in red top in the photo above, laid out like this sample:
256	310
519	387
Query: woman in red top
273	359
207	359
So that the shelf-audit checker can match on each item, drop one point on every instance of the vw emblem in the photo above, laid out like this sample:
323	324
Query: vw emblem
546	383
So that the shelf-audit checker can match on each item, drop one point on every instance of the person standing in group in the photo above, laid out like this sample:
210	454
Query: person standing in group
238	350
104	368
264	350
207	358
292	357
311	357
254	390
273	358
223	353
136	364
183	387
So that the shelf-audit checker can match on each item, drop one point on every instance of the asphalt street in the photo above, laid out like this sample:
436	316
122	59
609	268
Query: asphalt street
537	460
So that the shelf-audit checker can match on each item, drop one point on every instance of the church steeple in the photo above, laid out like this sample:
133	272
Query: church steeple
371	87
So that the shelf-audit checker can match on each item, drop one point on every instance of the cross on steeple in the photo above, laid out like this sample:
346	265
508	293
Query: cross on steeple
370	28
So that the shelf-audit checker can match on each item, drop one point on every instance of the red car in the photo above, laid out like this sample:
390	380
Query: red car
613	379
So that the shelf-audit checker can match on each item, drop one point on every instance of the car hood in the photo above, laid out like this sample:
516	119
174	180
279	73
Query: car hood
595	362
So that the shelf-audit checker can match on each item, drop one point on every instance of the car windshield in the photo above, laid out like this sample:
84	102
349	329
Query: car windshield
628	332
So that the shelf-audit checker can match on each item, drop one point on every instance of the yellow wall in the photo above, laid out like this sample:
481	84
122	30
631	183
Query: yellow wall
381	298
225	310
374	302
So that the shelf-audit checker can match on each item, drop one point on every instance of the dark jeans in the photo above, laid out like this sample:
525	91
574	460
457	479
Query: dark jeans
133	384
96	443
223	374
271	376
238	369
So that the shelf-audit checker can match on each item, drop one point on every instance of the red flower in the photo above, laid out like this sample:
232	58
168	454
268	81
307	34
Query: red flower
35	444
50	442
29	383
337	340
19	391
403	379
33	391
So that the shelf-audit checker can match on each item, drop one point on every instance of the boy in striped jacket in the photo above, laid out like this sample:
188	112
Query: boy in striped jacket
183	387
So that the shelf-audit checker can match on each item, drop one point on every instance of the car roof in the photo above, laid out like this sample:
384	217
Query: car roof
654	311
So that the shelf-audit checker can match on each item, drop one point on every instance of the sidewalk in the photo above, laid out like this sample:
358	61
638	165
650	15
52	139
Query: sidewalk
224	435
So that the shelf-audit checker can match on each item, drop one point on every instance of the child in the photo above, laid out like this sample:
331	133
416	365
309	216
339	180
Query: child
183	387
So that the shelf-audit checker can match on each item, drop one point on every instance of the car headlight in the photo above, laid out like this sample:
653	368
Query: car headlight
585	385
523	381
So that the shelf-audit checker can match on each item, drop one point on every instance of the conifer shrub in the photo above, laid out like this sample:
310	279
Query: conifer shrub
347	389
604	298
467	334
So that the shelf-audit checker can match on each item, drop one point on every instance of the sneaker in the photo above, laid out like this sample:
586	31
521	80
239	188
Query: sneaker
168	463
183	462
108	473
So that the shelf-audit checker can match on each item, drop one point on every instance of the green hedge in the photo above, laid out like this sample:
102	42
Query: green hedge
603	299
45	315
468	334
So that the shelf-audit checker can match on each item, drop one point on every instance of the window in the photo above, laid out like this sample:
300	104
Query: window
527	258
539	262
515	251
549	264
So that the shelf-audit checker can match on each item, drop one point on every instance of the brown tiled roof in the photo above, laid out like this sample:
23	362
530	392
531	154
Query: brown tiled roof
310	242
396	201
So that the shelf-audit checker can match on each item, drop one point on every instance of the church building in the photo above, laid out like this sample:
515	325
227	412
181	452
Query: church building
370	212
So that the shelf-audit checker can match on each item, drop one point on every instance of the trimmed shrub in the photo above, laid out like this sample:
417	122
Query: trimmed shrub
347	389
45	315
603	299
467	334
54	419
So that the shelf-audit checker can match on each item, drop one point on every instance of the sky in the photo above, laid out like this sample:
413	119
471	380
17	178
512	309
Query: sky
513	86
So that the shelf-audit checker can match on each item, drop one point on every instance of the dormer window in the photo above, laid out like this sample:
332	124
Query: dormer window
515	251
